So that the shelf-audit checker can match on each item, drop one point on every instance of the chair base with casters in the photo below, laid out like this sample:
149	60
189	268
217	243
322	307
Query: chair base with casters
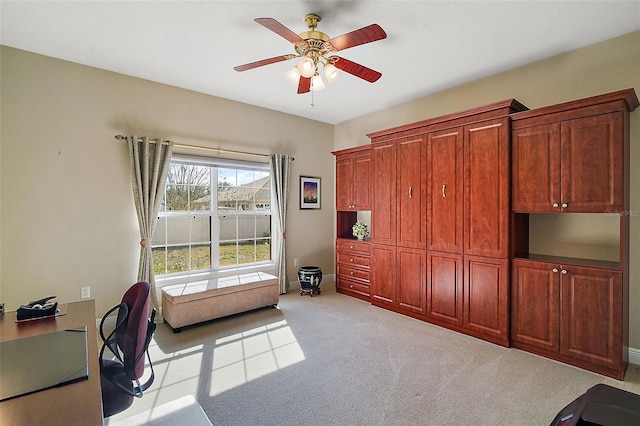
128	342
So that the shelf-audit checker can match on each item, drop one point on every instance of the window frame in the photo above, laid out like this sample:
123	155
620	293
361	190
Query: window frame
214	215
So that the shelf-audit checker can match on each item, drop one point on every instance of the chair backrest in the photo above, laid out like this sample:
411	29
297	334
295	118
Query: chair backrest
132	333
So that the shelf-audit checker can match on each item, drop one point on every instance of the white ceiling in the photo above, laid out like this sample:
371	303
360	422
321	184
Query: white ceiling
431	45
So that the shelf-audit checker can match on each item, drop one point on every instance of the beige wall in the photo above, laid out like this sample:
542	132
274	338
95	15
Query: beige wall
68	219
597	69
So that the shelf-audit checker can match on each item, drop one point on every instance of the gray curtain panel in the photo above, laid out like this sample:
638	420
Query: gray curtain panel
279	165
149	160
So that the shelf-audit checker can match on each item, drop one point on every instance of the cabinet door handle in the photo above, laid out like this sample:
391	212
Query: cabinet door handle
555	270
411	192
556	205
565	205
564	272
444	188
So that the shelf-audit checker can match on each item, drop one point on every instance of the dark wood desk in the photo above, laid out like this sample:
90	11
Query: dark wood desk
78	403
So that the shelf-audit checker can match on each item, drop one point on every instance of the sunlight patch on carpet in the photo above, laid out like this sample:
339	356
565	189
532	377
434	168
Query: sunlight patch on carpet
249	355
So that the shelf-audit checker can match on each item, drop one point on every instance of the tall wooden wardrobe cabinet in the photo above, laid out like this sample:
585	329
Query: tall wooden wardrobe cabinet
572	158
456	204
353	175
440	220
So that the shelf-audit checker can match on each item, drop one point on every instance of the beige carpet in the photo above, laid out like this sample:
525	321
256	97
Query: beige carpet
336	360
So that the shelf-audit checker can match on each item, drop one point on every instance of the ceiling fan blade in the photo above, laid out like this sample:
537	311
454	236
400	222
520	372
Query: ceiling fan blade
279	29
364	35
356	69
263	62
304	85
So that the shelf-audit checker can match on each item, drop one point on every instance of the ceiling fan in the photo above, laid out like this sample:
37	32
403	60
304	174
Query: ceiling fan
316	48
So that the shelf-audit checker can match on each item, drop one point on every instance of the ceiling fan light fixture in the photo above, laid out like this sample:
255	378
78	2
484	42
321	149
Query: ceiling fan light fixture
316	83
293	76
306	67
331	72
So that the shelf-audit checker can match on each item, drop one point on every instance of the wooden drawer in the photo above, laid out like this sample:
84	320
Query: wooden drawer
352	287
353	246
352	259
346	271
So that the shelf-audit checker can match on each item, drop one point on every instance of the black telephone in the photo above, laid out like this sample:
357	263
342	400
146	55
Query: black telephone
38	308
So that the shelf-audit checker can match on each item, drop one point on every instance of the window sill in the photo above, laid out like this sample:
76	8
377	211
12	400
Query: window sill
163	281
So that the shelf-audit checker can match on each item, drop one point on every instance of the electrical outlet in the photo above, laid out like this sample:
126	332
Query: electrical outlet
295	261
85	292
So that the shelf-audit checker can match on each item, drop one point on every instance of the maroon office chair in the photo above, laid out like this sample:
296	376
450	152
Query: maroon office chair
128	342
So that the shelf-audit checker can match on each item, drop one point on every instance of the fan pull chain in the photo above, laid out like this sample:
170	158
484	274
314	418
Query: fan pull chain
312	104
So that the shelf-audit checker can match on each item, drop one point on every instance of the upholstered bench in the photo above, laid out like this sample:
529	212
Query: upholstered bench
199	301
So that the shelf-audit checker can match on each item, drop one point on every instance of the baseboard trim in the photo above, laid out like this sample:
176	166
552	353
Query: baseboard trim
634	356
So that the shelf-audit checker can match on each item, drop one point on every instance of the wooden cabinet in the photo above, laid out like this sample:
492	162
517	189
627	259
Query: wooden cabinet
570	313
445	190
535	306
486	298
445	185
398	279
411	280
383	275
570	166
572	157
486	188
383	209
353	179
411	192
353	259
445	287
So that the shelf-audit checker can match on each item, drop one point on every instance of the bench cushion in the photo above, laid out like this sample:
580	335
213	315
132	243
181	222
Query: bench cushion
187	292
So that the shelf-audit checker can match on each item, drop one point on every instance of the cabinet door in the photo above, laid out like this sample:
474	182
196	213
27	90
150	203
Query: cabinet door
592	164
444	195
411	192
486	305
344	184
535	304
383	275
361	182
536	169
444	287
383	212
412	280
591	315
486	188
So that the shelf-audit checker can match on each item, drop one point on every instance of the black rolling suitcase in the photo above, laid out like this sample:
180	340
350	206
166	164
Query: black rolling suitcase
601	405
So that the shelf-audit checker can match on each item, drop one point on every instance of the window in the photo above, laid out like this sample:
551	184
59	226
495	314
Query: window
216	214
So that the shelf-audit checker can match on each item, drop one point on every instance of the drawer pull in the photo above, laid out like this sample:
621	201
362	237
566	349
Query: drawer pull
350	247
351	273
351	286
350	260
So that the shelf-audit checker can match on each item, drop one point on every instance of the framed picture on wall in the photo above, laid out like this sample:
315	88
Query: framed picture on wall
309	192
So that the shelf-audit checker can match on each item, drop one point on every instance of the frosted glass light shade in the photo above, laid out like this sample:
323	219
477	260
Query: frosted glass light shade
317	83
306	67
331	72
293	75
